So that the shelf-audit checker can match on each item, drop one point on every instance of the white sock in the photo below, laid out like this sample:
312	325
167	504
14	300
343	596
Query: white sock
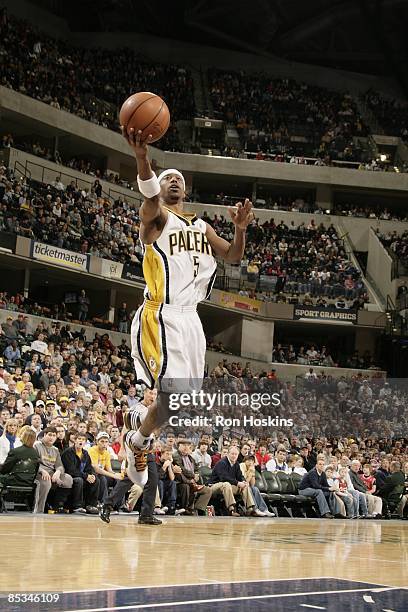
136	440
139	478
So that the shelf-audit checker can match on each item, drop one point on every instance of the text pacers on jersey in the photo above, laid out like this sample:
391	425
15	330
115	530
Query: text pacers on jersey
189	240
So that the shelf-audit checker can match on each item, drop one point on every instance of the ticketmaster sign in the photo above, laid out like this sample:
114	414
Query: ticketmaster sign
60	257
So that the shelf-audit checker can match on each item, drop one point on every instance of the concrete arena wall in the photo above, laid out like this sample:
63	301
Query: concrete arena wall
358	228
379	267
286	372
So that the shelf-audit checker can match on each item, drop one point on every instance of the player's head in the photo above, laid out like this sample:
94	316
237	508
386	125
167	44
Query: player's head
172	186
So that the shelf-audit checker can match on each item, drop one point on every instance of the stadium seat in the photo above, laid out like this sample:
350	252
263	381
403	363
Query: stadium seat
18	496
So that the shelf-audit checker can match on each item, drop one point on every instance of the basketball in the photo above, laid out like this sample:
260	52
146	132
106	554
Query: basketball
147	112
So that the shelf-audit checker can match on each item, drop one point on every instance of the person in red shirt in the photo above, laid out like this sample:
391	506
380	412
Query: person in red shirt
368	479
217	456
115	440
262	457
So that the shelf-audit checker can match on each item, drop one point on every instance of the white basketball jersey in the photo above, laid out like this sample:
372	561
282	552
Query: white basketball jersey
179	268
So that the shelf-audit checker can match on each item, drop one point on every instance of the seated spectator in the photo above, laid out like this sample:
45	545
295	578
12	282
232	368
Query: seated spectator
382	473
404	500
299	466
262	457
51	473
392	490
248	471
12	353
101	463
278	463
374	504
314	484
85	487
228	478
8	439
191	495
21	465
201	456
167	483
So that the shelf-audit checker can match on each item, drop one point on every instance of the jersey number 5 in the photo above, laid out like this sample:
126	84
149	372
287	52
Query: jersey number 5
196	261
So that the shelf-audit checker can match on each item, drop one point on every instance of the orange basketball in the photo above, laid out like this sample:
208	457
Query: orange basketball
147	112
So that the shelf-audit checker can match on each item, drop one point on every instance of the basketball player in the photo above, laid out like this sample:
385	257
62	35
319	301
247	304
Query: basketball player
179	266
139	413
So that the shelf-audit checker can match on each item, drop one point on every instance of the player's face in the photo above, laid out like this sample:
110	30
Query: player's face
172	189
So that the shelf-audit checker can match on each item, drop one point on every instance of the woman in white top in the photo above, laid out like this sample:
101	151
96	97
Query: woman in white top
9	439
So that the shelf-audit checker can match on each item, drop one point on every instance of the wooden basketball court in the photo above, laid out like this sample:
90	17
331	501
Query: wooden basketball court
82	555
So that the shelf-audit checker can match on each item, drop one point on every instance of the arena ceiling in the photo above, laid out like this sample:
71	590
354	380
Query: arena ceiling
361	35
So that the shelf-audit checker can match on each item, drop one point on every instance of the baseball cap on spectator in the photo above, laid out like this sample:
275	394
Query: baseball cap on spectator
72	399
39	403
64	398
102	434
50	402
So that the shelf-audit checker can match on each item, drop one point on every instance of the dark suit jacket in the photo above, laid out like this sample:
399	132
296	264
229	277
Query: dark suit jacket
223	471
312	480
357	483
72	463
186	474
20	467
393	487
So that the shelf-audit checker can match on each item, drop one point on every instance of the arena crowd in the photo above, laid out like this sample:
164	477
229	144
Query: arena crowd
72	394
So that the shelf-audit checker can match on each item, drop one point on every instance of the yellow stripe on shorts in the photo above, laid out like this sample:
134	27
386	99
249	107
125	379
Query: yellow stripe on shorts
151	339
153	271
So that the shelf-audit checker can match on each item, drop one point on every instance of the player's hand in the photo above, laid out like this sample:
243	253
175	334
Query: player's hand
177	469
241	215
134	140
90	478
45	476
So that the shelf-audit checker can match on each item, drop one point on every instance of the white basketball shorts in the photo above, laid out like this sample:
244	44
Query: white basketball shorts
168	347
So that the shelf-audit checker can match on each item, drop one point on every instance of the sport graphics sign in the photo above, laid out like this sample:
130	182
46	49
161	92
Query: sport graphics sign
324	314
61	257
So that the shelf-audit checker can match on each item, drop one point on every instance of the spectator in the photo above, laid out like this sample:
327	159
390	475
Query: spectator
248	471
21	464
201	456
123	319
278	464
374	504
192	496
8	439
392	490
83	306
101	463
228	473
85	488
51	474
314	484
167	483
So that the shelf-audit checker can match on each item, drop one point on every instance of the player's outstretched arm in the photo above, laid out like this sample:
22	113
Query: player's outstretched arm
152	214
232	252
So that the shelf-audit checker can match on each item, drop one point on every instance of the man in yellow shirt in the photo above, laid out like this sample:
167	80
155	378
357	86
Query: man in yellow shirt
101	463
